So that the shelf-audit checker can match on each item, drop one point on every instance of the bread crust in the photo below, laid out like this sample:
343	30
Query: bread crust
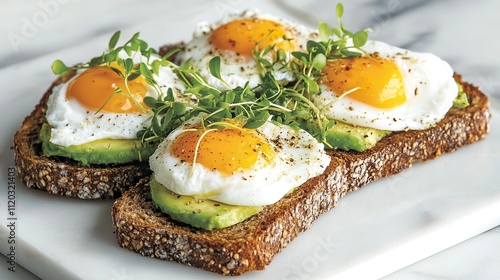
62	176
252	244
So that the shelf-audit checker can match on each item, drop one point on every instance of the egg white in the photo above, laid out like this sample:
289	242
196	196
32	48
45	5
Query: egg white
74	124
298	158
430	91
237	70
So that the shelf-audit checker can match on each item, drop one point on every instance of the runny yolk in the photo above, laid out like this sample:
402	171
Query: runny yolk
93	87
379	80
226	150
241	36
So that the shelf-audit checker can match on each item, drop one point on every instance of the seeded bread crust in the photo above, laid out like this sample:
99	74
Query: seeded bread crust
62	176
251	245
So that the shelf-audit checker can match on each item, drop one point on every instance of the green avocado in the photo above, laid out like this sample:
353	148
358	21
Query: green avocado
201	213
106	151
349	137
461	100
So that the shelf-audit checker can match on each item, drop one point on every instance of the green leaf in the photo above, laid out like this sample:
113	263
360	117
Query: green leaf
281	55
324	31
345	30
155	66
319	62
110	57
117	71
98	60
360	38
339	10
143	46
149	101
264	103
179	108
163	109
312	86
133	76
265	62
315	47
59	68
144	69
114	39
229	96
170	53
301	113
337	32
170	95
266	50
135	37
167	118
300	55
350	54
257	121
219	113
156	125
135	44
214	66
128	50
129	65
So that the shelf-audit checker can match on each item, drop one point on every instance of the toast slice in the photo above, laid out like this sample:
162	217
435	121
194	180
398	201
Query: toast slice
252	244
63	176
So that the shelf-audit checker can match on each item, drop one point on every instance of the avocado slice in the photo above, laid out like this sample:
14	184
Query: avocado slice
106	151
201	213
349	137
461	100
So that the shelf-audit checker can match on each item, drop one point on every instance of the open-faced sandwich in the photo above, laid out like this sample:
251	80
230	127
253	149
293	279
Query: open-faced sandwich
254	128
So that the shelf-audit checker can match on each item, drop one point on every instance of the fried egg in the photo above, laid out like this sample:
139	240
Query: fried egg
85	109
235	37
391	89
235	165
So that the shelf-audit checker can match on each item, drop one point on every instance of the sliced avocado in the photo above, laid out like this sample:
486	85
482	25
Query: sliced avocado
106	151
461	100
201	213
349	137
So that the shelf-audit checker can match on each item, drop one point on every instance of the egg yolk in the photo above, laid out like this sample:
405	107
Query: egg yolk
225	150
379	80
97	85
241	36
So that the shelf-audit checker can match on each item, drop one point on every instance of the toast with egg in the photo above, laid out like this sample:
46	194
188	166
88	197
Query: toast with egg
251	245
61	176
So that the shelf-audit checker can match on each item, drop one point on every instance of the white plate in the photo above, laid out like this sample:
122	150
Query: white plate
373	232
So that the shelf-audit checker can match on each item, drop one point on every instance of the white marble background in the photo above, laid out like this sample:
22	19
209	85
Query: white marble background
463	32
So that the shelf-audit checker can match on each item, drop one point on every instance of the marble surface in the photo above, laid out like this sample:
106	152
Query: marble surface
34	33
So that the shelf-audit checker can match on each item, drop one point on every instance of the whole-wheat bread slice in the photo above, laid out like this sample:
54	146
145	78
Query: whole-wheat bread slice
252	244
63	176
